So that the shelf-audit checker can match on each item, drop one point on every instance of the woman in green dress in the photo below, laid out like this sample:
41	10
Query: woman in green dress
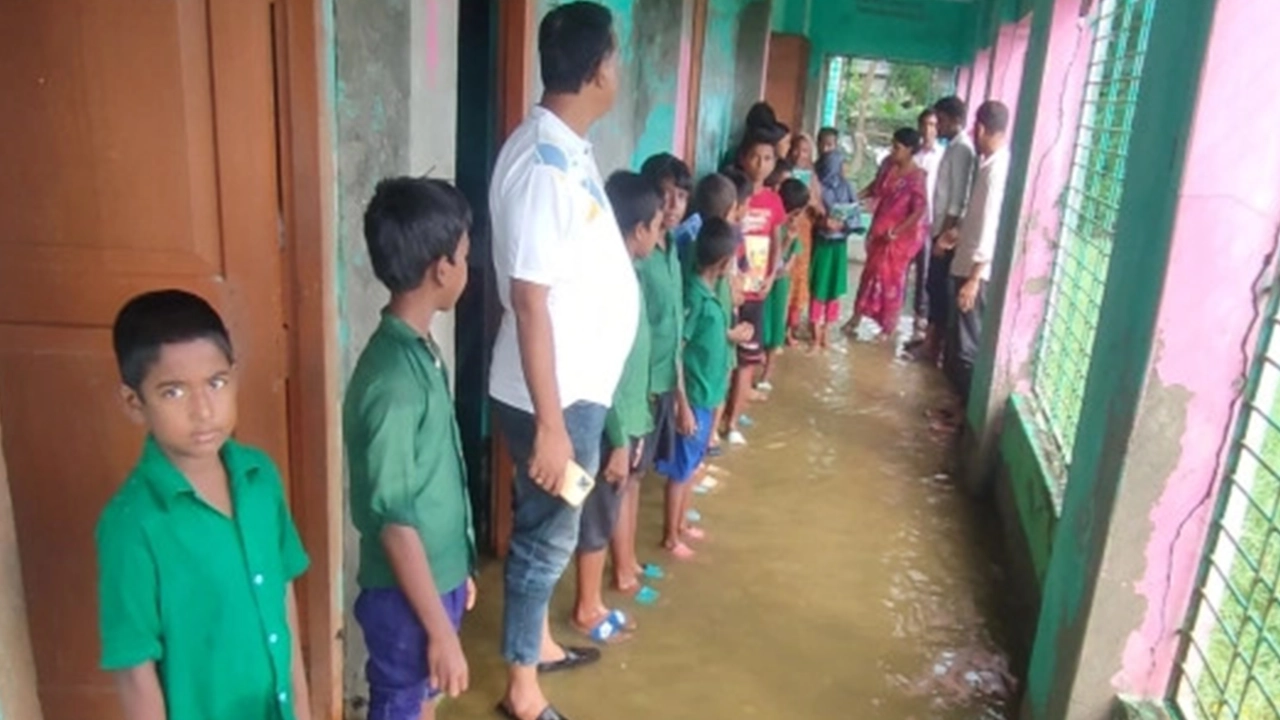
829	266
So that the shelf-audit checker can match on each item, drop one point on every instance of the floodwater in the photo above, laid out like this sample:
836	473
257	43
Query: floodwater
843	575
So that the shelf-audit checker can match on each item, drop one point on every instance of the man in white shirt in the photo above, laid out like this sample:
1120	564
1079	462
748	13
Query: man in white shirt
929	158
950	198
975	242
570	308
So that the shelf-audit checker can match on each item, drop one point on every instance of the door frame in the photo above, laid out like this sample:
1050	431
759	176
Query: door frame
304	124
697	47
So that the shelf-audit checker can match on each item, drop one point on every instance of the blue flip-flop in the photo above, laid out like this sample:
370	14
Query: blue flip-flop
620	621
647	595
607	630
693	516
746	421
652	571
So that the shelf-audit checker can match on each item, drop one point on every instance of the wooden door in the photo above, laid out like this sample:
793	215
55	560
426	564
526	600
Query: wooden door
137	151
786	77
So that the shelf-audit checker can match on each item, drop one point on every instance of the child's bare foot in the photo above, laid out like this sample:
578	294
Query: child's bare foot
626	584
693	533
679	550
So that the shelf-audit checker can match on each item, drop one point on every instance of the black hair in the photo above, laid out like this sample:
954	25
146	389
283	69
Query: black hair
634	198
994	116
715	196
755	138
665	166
909	138
741	183
152	320
828	132
953	107
926	113
795	195
780	170
762	120
715	242
574	39
409	225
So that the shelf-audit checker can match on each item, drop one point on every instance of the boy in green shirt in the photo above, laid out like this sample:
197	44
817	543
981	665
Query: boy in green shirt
197	552
409	498
607	514
705	355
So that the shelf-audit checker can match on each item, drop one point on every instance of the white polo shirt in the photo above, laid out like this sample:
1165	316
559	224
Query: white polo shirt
955	176
981	223
929	160
553	226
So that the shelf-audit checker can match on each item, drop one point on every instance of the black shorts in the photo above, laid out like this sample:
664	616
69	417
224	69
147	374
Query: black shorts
664	438
600	509
752	351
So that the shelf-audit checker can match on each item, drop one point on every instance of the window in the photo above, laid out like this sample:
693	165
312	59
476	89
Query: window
1121	31
1230	662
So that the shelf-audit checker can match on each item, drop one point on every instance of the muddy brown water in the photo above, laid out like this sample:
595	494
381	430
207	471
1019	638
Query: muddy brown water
843	576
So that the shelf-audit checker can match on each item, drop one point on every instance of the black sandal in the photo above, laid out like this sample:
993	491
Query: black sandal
574	658
548	713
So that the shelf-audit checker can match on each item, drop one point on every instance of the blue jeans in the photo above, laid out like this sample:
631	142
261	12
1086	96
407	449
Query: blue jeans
545	528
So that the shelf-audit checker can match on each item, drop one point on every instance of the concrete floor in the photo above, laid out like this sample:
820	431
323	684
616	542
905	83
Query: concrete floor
843	577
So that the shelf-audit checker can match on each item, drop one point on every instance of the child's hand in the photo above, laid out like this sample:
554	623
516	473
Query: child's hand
447	665
618	467
741	333
686	423
472	592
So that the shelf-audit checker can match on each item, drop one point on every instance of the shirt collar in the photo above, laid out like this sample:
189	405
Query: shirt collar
401	331
560	132
168	481
1000	152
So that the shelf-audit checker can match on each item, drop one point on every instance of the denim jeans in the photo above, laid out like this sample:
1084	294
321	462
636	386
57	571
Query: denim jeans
545	528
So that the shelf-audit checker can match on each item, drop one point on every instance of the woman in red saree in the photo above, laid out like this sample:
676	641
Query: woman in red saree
897	234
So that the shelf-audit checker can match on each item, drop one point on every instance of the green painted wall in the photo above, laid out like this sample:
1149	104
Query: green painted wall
716	123
1026	470
934	32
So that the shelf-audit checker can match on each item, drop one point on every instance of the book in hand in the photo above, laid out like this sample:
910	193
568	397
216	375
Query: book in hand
577	484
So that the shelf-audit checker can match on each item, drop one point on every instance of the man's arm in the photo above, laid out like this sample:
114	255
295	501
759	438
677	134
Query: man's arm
552	449
140	693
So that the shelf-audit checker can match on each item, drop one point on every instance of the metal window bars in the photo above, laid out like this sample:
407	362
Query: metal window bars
1092	201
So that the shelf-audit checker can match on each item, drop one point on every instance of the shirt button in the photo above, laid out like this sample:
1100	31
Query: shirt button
273	638
257	579
283	696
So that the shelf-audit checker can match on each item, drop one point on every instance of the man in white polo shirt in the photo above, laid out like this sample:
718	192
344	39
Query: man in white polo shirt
570	306
976	243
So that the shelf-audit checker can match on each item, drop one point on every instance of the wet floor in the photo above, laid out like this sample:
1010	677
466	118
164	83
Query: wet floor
843	576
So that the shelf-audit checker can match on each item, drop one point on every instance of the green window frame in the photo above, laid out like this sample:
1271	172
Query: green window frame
1229	663
1122	29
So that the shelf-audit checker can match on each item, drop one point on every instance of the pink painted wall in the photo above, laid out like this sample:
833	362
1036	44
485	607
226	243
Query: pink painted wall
1049	170
963	79
978	84
1224	234
1009	62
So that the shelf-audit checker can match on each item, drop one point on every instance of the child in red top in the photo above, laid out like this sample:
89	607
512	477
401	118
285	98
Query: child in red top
763	224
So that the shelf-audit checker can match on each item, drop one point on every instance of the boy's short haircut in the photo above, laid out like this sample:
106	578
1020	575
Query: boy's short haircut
634	198
665	166
152	320
410	224
754	139
828	132
574	39
993	115
795	195
952	107
715	243
715	196
926	113
741	183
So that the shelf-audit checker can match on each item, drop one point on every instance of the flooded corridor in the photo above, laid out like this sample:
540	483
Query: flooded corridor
843	576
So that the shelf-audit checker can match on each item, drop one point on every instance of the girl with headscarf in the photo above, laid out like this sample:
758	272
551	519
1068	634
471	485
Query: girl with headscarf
829	265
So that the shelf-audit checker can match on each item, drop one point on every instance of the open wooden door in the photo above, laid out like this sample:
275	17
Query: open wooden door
787	76
138	151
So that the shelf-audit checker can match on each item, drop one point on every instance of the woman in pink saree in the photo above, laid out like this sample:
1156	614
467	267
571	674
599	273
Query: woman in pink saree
897	234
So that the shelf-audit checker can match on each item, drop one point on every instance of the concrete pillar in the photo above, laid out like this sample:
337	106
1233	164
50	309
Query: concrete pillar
1158	400
18	698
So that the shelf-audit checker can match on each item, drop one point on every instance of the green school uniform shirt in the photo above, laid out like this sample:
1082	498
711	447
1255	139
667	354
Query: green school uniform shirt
662	283
631	416
404	457
200	594
706	348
